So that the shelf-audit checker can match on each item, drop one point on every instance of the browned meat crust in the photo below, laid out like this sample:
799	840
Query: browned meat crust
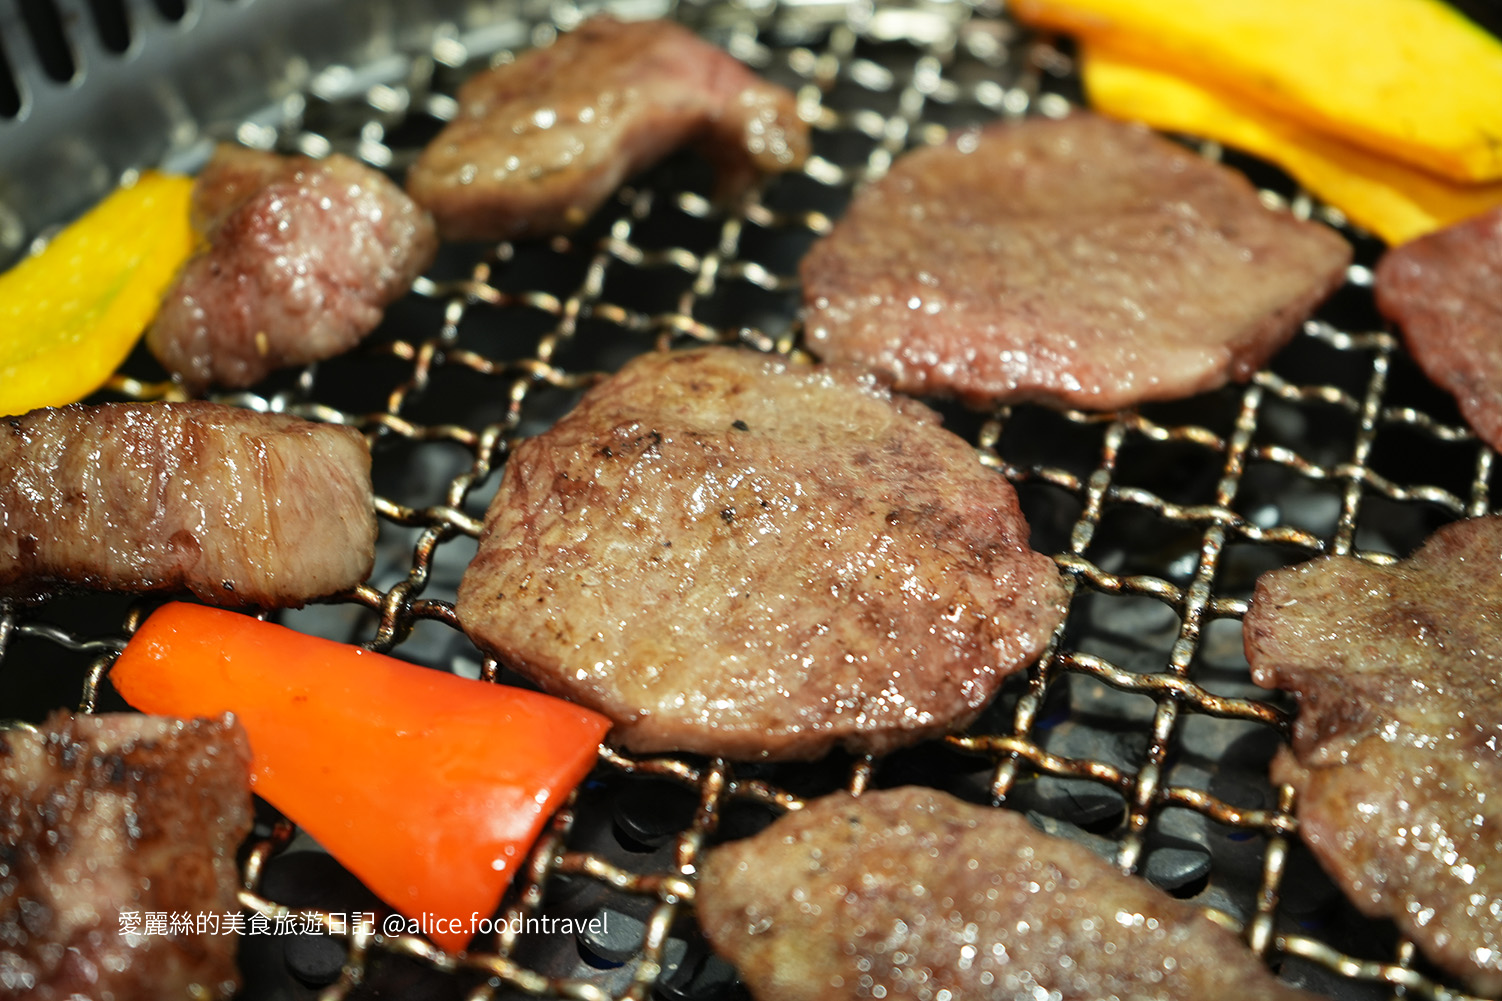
1080	263
237	507
1398	673
911	893
107	819
1445	291
729	553
540	143
302	258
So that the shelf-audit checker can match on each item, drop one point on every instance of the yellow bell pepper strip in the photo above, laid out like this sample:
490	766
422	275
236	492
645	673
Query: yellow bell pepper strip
1391	199
429	787
1409	79
70	314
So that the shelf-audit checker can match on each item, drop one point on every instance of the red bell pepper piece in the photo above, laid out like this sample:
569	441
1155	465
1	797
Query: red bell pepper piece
428	787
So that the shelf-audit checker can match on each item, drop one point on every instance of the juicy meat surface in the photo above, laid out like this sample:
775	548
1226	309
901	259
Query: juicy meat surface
1080	263
730	553
302	257
1445	291
1398	674
911	893
541	142
107	819
237	507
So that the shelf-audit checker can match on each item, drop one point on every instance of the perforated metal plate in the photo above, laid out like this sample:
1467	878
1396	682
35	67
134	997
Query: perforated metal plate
1140	733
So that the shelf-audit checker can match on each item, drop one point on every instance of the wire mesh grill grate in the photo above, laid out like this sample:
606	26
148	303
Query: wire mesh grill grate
1140	730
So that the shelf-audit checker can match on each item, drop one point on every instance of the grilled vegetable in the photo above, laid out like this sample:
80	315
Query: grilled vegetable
70	315
1410	79
428	787
1392	199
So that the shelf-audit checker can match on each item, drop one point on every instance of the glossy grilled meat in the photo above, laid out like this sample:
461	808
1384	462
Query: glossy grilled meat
541	142
1397	749
1445	291
729	553
302	258
112	827
911	893
1081	263
235	506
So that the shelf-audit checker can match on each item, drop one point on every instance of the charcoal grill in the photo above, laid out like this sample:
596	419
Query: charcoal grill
1140	732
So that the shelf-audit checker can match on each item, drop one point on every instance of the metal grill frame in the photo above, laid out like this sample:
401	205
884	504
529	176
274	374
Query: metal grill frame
874	81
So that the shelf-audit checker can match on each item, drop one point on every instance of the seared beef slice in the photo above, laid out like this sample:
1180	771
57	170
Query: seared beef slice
108	821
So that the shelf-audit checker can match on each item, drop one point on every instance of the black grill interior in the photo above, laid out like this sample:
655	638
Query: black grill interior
1139	734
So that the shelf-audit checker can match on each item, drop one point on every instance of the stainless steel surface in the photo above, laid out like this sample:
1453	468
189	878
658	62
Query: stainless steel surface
1140	733
140	86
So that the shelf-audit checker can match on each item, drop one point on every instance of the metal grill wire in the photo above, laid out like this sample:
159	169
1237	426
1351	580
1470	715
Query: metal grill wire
1161	517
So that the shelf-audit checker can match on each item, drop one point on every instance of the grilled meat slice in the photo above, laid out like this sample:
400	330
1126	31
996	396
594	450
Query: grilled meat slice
1080	263
110	821
1445	291
541	142
235	506
911	893
1398	673
302	257
730	553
